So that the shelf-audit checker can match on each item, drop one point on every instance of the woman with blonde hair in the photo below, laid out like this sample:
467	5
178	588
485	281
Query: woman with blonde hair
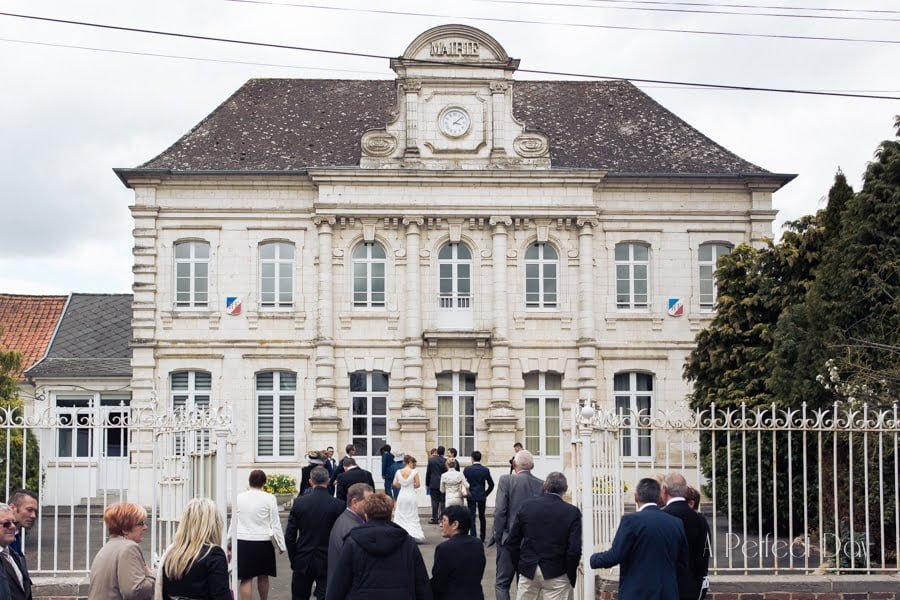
195	566
119	572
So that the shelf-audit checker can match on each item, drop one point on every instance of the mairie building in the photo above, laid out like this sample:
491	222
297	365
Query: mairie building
453	257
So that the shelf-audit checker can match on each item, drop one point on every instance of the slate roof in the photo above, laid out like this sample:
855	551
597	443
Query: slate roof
27	324
92	339
294	124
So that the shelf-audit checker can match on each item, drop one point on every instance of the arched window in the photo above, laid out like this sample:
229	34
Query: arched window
541	273
191	392
708	258
192	274
634	402
369	262
275	414
276	275
632	275
455	269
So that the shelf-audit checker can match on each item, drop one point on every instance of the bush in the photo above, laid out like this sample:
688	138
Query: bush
279	483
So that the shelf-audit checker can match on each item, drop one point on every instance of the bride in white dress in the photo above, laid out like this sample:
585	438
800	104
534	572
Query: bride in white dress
406	512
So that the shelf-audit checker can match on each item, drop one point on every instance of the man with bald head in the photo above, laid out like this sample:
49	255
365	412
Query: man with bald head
512	492
692	585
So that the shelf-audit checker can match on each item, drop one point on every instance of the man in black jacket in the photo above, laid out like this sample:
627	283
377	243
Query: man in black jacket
15	584
437	466
352	474
691	584
478	477
545	542
459	562
306	535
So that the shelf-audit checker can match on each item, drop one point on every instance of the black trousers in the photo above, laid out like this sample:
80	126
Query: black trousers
437	504
479	505
303	578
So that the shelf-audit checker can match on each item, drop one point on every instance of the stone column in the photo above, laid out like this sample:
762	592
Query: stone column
501	419
498	116
324	415
413	412
412	88
587	342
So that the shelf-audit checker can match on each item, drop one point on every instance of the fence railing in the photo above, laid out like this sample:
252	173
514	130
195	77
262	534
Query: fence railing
79	459
784	490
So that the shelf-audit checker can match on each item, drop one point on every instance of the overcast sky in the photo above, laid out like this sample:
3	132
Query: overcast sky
69	115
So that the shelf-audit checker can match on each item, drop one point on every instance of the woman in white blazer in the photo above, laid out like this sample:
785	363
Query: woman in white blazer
259	534
454	485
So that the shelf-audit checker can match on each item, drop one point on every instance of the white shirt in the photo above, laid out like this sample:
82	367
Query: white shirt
257	518
671	500
643	506
7	556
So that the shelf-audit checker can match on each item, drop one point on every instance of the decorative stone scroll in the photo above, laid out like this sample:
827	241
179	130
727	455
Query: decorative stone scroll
531	145
378	143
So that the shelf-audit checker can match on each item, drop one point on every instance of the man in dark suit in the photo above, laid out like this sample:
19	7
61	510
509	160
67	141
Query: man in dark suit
458	562
15	583
545	543
437	466
306	534
512	492
651	548
352	474
478	476
692	583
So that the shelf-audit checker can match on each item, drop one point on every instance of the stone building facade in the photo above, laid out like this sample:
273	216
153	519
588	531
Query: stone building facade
453	257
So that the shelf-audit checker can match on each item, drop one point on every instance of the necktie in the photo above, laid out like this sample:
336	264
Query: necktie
8	557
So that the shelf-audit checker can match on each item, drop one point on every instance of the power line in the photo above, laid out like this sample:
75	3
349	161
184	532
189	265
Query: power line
760	6
691	11
446	63
565	24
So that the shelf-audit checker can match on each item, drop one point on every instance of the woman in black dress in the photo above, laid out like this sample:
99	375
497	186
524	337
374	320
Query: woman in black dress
195	566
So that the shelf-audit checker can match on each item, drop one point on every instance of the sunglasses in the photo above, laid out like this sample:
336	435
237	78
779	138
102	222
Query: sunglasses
8	524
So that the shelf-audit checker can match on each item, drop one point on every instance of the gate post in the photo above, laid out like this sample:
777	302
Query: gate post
586	432
222	472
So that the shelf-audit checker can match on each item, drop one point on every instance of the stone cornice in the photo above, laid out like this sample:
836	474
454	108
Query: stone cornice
460	177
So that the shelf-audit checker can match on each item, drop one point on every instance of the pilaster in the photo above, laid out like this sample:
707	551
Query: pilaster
324	415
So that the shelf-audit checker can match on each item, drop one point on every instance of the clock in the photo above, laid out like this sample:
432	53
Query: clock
454	122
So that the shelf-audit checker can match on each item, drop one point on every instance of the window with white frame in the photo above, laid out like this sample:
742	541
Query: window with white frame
456	411
275	414
191	392
632	275
709	255
369	263
542	413
541	274
369	411
192	274
276	275
75	427
634	402
455	272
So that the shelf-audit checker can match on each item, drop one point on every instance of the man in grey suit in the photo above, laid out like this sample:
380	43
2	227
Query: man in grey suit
512	492
350	518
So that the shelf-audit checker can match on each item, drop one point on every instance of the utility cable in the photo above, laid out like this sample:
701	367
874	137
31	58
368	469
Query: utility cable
759	6
445	63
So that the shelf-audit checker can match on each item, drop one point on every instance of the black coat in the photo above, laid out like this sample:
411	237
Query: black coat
9	583
207	578
458	569
348	478
478	475
379	561
308	527
557	548
697	531
437	466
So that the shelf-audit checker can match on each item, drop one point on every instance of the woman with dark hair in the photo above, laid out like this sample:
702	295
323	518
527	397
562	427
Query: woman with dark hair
387	459
258	533
119	572
379	561
454	485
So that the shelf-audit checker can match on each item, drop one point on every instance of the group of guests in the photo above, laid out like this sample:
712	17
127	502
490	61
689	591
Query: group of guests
17	514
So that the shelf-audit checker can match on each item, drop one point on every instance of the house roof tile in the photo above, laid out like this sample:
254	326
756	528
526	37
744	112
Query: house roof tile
27	324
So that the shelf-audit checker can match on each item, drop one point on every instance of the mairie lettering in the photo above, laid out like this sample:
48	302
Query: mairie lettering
454	48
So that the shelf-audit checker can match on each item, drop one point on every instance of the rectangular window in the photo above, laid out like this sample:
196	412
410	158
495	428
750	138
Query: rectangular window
456	411
191	274
275	414
634	402
75	431
542	413
369	411
709	255
632	275
191	394
276	275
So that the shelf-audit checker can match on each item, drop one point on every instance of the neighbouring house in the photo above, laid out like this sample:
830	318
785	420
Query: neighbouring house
82	398
451	257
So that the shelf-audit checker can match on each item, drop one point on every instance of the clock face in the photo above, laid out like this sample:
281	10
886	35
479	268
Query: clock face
455	122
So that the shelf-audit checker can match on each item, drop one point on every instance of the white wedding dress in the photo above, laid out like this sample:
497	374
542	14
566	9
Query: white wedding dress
406	513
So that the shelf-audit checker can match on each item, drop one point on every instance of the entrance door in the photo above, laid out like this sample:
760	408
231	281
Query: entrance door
369	399
113	472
